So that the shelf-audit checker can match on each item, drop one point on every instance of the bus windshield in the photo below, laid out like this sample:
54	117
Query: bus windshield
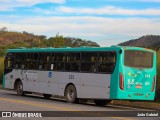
138	59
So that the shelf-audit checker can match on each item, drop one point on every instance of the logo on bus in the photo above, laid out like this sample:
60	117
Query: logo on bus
32	76
50	74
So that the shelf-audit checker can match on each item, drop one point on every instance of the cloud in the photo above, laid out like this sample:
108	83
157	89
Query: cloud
108	10
8	5
105	31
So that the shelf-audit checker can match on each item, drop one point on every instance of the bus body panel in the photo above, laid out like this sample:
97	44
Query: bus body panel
88	85
115	77
137	81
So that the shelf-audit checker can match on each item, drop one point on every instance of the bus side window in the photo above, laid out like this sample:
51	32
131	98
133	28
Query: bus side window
9	63
89	62
72	62
57	62
44	61
20	59
32	59
106	62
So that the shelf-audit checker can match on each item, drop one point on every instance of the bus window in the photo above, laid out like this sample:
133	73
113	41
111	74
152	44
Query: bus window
89	57
20	59
89	62
58	57
44	61
72	62
32	59
138	59
58	60
106	62
9	63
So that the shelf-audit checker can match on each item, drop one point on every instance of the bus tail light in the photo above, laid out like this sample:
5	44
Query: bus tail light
153	83
121	81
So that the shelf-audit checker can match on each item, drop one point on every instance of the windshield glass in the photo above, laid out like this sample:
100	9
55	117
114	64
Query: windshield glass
138	59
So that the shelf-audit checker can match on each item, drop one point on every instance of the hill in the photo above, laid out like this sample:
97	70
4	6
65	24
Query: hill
10	39
148	41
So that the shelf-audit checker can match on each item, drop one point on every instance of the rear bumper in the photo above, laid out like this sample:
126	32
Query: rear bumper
125	95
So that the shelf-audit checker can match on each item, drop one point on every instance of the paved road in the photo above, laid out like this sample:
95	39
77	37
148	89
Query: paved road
10	101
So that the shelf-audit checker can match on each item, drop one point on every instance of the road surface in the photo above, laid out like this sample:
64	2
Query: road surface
10	101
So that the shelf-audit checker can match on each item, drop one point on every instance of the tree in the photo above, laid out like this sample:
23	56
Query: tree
3	29
57	41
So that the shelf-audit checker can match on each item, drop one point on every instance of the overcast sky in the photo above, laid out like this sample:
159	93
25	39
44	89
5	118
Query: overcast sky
107	22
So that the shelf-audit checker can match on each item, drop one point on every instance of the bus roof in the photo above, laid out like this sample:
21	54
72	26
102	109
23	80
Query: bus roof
83	48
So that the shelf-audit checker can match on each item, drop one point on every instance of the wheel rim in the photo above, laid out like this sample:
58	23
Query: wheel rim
70	94
19	88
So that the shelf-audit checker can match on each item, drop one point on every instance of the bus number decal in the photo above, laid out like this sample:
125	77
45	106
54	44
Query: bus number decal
147	76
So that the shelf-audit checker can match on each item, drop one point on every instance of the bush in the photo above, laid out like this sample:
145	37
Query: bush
158	70
1	68
157	96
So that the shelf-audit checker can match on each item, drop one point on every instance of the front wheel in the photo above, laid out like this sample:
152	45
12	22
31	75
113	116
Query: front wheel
71	94
102	102
19	88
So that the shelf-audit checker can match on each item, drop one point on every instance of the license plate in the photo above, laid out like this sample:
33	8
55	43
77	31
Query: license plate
138	86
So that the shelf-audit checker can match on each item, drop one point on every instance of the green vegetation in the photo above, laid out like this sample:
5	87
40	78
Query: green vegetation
1	68
158	76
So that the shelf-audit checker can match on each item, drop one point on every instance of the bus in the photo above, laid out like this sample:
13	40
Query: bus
100	74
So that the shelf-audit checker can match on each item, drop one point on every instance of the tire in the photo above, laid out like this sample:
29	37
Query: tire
102	102
47	96
19	88
71	94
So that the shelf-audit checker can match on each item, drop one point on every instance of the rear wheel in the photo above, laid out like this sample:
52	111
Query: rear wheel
19	88
71	94
47	96
102	102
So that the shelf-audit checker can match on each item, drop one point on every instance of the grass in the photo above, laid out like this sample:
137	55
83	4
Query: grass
138	104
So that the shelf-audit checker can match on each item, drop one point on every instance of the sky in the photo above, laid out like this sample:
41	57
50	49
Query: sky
107	22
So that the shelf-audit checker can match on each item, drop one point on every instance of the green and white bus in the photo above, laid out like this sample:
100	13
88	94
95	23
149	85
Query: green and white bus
98	73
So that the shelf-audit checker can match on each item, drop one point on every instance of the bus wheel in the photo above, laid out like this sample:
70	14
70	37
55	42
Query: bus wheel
47	96
19	88
102	102
71	94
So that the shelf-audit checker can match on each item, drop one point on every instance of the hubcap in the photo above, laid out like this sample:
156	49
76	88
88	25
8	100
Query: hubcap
20	88
70	94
